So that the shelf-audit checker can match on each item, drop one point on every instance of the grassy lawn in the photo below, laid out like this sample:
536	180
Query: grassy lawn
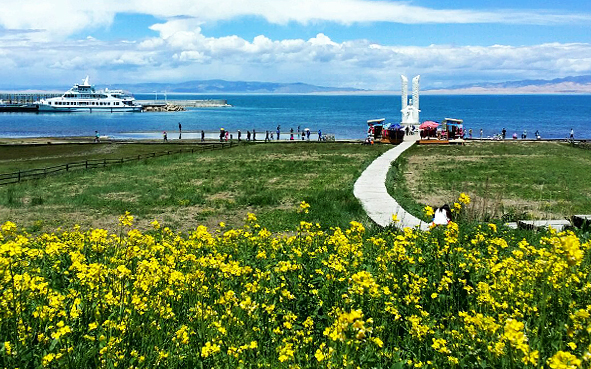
535	180
23	157
185	190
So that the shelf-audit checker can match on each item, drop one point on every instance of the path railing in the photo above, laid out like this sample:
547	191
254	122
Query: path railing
23	175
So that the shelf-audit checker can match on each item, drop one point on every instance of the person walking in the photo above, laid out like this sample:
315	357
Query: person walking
278	131
319	135
267	136
222	134
239	136
470	133
481	133
298	132
308	134
180	130
254	135
202	136
97	137
524	135
227	135
165	136
504	133
247	135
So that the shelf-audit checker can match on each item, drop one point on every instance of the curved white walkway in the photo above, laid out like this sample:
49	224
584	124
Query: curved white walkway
370	189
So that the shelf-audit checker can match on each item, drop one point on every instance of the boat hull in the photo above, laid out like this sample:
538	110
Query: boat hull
95	109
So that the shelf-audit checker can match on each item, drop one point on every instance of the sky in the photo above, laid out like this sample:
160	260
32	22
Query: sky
364	44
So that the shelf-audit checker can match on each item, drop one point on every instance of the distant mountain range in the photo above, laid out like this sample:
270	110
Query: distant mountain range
221	86
206	86
567	85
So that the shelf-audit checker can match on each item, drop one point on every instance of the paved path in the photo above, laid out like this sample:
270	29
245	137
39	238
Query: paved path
370	189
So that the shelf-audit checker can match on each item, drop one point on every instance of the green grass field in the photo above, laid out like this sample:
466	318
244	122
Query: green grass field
185	190
511	180
24	157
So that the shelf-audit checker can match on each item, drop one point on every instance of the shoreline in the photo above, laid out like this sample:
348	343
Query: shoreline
195	138
157	138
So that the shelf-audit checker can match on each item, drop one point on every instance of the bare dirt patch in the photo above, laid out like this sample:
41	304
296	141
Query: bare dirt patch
121	196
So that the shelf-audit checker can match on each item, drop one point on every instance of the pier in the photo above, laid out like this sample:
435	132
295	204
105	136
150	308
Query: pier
209	103
25	98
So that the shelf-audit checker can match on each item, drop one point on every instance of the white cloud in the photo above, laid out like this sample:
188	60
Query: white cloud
188	54
34	44
60	18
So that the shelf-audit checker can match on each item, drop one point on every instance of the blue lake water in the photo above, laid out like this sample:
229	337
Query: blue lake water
343	116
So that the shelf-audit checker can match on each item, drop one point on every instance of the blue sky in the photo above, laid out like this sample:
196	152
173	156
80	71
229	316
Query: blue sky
357	43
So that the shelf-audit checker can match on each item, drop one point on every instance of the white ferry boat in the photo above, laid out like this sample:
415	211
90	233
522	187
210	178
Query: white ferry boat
84	98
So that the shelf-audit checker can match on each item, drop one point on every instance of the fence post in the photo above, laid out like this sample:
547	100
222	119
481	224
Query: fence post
19	175
104	163
67	167
86	165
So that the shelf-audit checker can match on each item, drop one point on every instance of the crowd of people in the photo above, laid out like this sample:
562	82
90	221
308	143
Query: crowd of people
303	135
502	135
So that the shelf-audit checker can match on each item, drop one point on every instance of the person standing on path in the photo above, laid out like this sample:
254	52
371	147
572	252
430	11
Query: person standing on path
180	130
239	136
202	136
308	134
97	137
481	133
165	136
247	135
319	135
470	133
267	136
504	132
278	131
222	134
227	135
572	134
254	135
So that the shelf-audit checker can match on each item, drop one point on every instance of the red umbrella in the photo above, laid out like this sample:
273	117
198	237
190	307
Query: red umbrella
429	124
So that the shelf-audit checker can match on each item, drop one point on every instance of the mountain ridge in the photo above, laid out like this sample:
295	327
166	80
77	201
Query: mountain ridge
565	85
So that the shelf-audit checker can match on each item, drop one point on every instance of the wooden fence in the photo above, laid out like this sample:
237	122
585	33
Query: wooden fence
23	175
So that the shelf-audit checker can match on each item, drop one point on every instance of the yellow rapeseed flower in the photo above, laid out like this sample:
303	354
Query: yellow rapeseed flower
126	219
564	360
304	207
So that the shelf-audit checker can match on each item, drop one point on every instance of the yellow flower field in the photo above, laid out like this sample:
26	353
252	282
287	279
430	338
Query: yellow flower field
461	296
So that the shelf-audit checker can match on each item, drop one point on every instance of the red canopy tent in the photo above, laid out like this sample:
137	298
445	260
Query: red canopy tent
429	124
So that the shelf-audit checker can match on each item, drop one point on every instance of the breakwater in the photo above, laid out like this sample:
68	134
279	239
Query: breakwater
209	103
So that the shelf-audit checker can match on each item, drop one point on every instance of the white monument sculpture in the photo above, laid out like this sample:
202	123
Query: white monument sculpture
410	109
